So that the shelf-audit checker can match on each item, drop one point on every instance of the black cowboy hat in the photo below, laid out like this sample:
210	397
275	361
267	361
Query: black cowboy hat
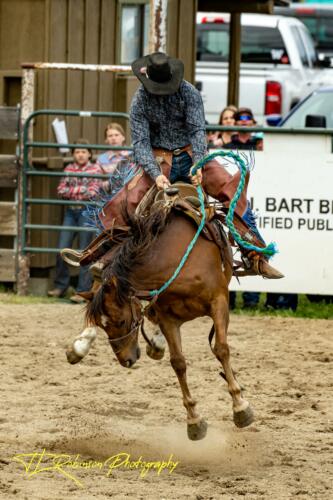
159	73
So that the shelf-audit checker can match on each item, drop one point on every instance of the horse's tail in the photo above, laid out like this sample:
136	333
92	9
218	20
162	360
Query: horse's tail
95	308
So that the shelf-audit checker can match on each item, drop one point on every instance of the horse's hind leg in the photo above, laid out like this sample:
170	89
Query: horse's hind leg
196	426
243	414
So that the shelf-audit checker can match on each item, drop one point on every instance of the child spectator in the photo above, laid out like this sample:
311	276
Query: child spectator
76	189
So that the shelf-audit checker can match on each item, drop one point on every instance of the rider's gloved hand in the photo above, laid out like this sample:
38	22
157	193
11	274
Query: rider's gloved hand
197	178
162	182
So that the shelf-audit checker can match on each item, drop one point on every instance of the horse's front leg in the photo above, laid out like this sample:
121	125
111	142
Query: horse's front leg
81	345
242	411
196	426
157	345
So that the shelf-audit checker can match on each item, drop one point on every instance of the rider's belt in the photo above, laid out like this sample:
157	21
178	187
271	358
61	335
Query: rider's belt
179	151
175	152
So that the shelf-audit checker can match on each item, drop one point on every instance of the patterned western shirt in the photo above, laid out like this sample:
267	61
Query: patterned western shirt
80	188
168	122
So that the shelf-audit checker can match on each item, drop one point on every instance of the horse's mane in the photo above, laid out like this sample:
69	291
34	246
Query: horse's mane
144	231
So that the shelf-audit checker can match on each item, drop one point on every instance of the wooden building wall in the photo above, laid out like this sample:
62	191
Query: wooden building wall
77	31
74	31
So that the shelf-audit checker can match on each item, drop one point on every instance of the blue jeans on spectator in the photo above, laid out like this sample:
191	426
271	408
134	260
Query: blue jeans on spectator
250	299
282	301
73	217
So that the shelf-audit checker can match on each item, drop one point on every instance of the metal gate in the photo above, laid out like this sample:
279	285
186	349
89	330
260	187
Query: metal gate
28	172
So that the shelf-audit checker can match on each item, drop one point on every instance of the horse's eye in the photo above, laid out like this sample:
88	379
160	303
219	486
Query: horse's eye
119	324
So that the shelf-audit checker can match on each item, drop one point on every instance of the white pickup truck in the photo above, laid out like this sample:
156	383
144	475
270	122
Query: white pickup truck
279	63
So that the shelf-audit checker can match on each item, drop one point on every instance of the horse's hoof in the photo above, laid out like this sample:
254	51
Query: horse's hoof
198	431
155	353
244	418
72	357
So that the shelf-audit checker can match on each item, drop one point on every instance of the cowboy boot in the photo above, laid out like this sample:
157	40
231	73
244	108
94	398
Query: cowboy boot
257	264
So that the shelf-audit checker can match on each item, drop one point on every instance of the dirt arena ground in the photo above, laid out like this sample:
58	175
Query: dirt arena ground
97	410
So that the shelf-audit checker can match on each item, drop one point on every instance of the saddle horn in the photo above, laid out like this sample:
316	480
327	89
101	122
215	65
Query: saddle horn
66	252
171	191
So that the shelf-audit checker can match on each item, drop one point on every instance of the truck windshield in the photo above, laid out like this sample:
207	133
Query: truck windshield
259	44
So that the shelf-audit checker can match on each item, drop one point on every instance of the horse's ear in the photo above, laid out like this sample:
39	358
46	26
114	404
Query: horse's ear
86	295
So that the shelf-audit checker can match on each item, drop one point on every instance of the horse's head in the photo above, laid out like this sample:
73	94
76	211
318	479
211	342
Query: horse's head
121	321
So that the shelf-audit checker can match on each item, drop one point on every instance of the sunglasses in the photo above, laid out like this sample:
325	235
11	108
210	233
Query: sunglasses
243	118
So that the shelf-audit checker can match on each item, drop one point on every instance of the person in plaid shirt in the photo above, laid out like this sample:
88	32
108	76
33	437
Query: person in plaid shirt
76	189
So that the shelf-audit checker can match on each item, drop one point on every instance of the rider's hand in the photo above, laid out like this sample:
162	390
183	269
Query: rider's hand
162	182
197	178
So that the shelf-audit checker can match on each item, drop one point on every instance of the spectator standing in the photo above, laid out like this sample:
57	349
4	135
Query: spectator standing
111	160
76	189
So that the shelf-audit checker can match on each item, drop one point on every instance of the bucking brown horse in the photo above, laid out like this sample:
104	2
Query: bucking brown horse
144	262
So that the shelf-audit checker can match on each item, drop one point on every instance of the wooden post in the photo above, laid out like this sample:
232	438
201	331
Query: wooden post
234	59
158	28
27	107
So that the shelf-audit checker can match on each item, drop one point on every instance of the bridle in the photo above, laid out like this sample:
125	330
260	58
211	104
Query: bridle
137	322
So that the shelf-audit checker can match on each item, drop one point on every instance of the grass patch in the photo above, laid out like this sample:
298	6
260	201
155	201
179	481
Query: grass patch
305	309
12	298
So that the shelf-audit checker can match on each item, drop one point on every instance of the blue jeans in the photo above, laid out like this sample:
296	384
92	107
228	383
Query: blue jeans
180	169
73	217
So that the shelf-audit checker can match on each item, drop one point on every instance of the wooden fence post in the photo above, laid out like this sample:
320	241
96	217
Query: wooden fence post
158	25
27	107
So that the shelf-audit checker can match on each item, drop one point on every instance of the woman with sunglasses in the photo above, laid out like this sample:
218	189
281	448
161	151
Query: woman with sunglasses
244	140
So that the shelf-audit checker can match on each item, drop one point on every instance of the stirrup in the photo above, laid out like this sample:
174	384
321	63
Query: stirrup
65	252
255	264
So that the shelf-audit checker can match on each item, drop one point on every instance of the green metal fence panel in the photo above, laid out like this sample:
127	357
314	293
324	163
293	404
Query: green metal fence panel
30	171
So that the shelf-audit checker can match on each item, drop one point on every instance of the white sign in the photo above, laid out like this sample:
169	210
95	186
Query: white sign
60	131
291	190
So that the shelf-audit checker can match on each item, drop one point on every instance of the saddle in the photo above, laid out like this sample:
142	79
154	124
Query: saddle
183	197
180	195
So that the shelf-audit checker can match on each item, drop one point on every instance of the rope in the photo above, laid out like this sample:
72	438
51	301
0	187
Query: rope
270	249
189	248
